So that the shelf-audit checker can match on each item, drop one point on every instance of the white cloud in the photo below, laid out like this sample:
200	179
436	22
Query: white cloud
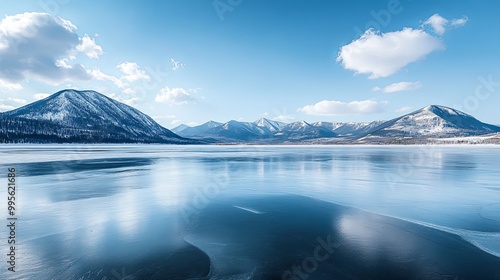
31	44
4	107
401	86
176	64
440	25
17	100
404	109
98	75
6	85
339	108
130	101
175	122
38	96
175	96
283	118
164	117
128	91
457	22
383	54
89	47
132	72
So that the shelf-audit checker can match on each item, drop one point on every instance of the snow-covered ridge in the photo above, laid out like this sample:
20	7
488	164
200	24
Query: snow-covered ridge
432	121
92	113
88	116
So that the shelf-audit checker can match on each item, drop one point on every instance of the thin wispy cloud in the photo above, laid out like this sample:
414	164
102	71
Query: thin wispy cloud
38	96
339	108
440	25
401	86
404	109
176	64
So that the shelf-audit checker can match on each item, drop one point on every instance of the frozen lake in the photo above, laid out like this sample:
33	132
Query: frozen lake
254	212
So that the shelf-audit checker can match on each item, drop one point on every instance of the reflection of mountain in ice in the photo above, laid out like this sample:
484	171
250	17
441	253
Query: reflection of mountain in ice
253	212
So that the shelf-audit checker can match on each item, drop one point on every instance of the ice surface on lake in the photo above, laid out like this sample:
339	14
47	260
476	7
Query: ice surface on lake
95	203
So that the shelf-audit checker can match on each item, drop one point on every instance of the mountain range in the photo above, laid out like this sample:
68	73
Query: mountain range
427	123
72	116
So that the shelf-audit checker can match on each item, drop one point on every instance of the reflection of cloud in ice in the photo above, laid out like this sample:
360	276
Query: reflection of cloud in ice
127	213
94	228
32	258
168	185
261	169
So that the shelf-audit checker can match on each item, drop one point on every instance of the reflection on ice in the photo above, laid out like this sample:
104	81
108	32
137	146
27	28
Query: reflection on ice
251	212
365	245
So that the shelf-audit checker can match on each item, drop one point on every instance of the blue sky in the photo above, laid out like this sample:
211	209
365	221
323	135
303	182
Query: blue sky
191	61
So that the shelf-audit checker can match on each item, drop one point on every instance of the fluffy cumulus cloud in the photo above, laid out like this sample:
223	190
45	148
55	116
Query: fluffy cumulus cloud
339	108
129	81
401	86
440	25
42	47
383	54
89	47
99	75
175	96
133	72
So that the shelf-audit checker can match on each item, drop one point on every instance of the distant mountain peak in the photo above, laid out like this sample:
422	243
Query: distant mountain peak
303	123
443	110
434	121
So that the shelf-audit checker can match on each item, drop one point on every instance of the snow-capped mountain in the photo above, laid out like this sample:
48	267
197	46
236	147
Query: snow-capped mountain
433	121
258	131
349	129
232	131
238	131
195	131
179	128
427	123
88	116
269	125
303	130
